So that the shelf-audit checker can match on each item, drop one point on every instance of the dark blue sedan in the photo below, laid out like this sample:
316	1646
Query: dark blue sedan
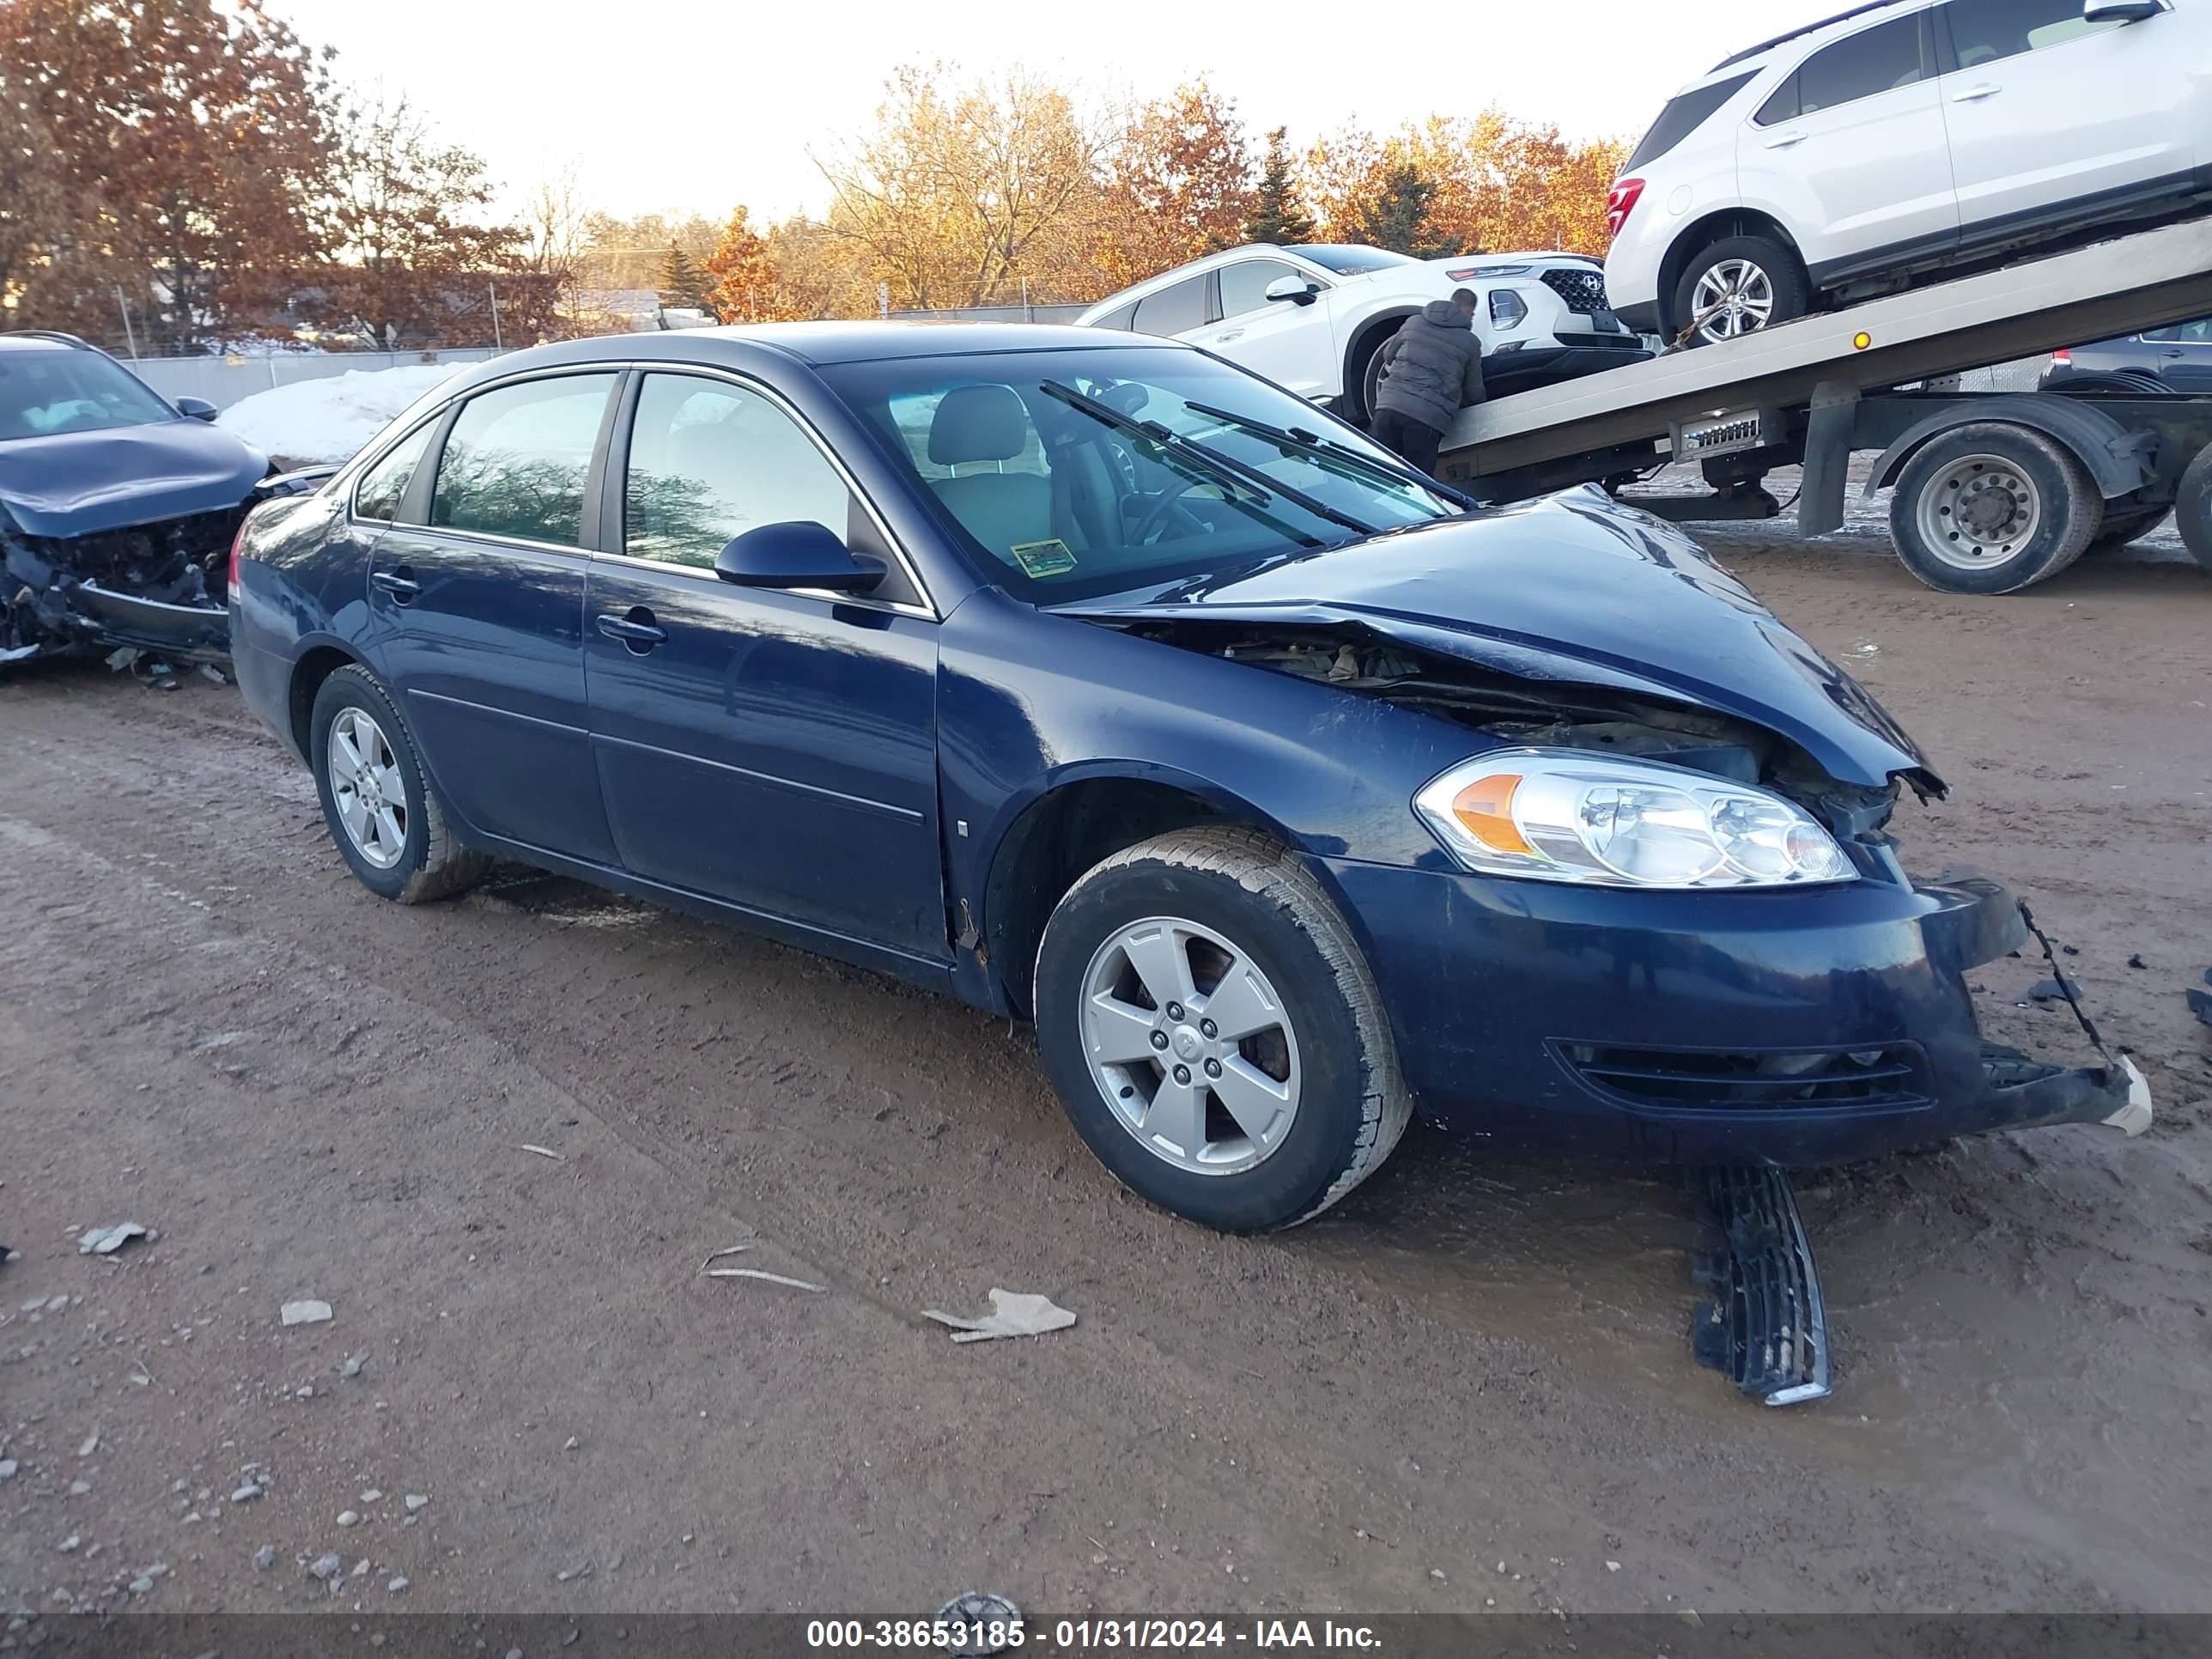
1099	683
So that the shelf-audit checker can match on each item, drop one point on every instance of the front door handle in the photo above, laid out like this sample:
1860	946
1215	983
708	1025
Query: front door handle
1785	140
636	630
1975	95
400	584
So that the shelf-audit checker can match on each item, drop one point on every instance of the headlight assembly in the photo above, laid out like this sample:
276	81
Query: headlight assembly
1562	815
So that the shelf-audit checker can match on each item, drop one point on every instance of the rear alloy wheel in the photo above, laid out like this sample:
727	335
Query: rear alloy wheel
1738	287
1214	1033
383	814
1993	509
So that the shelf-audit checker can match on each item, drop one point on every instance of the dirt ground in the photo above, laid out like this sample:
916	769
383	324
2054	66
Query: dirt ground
1470	1387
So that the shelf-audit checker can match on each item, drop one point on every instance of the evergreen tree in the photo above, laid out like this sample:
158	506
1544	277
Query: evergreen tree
1397	217
1277	214
683	284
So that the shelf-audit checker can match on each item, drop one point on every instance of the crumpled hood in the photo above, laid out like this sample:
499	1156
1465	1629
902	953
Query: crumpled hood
1575	589
79	484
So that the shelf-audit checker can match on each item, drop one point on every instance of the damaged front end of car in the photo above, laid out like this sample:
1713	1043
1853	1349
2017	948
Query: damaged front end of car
161	587
1793	1017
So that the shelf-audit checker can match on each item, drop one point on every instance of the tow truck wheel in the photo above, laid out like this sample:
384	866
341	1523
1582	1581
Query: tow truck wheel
1739	286
2192	512
2125	523
1992	508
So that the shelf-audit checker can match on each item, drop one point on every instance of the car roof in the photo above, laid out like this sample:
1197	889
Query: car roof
816	344
33	339
1832	24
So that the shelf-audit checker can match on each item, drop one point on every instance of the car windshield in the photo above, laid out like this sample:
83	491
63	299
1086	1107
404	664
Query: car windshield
1348	261
67	390
1071	474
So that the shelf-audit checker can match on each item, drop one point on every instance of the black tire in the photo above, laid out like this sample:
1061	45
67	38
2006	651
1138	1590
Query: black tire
432	865
1786	282
1353	1104
2192	509
2125	522
2108	383
1365	374
2069	511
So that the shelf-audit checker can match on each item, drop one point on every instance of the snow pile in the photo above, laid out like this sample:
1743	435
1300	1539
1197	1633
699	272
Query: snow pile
313	422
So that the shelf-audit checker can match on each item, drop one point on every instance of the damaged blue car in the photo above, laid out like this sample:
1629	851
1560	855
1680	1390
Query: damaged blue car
1100	683
117	506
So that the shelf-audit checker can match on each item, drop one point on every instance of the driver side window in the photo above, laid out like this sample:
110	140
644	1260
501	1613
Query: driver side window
1244	284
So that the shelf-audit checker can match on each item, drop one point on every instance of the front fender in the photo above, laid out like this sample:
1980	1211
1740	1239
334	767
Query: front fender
1029	702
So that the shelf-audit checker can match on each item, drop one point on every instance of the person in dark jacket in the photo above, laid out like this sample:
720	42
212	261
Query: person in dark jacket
1431	369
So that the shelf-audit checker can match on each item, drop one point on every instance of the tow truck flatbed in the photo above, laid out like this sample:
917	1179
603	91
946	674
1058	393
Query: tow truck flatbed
1815	389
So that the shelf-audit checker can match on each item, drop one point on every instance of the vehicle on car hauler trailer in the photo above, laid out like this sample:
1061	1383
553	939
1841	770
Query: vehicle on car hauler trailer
1095	681
1993	492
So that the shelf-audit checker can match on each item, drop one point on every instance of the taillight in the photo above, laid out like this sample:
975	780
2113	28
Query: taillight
1621	203
236	542
2063	357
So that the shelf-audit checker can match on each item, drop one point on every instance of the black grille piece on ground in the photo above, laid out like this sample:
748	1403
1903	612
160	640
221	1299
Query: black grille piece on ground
1767	1326
1703	1078
1582	290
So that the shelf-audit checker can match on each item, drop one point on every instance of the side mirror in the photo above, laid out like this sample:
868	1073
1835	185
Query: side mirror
797	555
198	408
2120	11
1295	289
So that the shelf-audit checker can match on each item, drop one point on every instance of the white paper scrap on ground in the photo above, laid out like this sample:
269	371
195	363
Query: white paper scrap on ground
1013	1314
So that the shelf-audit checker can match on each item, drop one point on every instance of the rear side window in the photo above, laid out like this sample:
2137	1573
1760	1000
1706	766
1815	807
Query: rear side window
1125	319
1880	59
384	486
516	460
1174	308
1684	116
1986	31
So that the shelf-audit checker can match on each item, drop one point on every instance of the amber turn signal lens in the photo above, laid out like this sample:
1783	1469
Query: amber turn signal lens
1486	808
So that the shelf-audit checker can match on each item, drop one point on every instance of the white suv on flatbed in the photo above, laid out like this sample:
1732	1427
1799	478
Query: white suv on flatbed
1904	139
1312	317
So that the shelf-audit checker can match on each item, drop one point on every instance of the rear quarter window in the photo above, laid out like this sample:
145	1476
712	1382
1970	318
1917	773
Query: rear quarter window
1684	116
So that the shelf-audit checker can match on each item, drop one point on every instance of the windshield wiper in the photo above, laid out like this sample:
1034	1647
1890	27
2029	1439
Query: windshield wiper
1312	443
1225	468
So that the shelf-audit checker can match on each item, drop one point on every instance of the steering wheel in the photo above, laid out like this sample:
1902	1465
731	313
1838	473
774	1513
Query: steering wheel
1169	502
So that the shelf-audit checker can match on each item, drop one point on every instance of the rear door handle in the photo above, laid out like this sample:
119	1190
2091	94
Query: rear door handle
400	584
1785	140
1975	95
1233	334
636	630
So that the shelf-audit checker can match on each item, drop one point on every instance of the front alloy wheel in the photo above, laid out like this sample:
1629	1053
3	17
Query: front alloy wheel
1215	1033
1190	1045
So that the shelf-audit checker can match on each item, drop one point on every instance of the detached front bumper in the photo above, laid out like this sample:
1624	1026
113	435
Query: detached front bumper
1792	1028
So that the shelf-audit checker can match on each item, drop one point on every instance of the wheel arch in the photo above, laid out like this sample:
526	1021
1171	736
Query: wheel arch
1367	339
322	659
2113	455
1701	233
1076	818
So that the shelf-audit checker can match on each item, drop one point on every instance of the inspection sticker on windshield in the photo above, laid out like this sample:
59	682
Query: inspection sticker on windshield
1043	558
